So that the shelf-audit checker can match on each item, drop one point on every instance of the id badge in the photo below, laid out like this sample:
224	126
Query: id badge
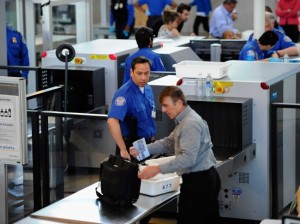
153	113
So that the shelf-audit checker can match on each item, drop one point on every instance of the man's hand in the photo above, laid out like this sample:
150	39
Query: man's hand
149	171
234	16
133	152
124	154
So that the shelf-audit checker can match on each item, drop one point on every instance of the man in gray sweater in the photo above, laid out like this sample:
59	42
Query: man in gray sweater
190	141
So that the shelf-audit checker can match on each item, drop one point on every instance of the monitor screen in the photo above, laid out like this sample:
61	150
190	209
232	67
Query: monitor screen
231	49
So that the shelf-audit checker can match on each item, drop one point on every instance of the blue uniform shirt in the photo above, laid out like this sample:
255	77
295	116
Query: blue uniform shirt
156	63
17	52
130	101
156	7
251	51
283	42
202	6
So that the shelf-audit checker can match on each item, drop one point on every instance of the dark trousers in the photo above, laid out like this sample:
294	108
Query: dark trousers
14	74
292	32
120	27
152	20
198	21
198	200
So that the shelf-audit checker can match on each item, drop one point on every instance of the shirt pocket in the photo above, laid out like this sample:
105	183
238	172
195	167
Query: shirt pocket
141	113
15	49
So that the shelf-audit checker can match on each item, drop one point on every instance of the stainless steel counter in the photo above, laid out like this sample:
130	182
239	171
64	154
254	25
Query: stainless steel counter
83	206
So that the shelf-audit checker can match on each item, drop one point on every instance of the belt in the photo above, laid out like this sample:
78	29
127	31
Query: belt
148	140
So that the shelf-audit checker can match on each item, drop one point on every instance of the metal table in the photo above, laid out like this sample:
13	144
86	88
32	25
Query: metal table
83	206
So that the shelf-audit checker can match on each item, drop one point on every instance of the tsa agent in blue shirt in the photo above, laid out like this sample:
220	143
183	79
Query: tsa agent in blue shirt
132	111
155	8
284	42
254	49
17	52
122	18
221	20
284	45
144	40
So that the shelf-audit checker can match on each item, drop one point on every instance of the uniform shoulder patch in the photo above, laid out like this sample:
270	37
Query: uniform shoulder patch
120	101
287	38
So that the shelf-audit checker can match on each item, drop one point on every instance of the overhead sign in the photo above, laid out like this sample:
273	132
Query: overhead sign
13	122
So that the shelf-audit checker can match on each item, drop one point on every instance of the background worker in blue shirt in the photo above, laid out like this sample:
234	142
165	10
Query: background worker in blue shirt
122	18
284	45
155	9
144	40
17	52
132	111
254	49
223	18
202	15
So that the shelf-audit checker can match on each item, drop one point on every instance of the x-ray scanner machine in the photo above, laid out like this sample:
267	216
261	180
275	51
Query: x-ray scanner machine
247	93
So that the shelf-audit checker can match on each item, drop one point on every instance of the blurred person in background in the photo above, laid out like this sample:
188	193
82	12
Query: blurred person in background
121	18
284	44
254	49
223	18
276	25
155	9
169	29
184	13
17	52
202	15
144	40
287	12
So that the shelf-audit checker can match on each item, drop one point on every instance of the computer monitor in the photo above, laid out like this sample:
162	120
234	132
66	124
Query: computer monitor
231	49
202	47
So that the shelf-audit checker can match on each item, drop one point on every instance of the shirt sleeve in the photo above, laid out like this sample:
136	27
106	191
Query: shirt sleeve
24	57
127	70
192	3
118	107
158	64
111	19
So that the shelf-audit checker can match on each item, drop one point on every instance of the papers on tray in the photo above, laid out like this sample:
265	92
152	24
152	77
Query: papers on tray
141	146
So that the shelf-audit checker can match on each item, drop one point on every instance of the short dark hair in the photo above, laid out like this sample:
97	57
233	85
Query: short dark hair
143	36
182	6
268	9
268	38
230	2
139	60
174	92
170	16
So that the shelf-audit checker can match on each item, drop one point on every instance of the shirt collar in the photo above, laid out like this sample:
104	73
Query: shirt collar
183	114
136	88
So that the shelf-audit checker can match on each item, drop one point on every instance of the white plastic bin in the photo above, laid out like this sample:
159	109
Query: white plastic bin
161	183
196	69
